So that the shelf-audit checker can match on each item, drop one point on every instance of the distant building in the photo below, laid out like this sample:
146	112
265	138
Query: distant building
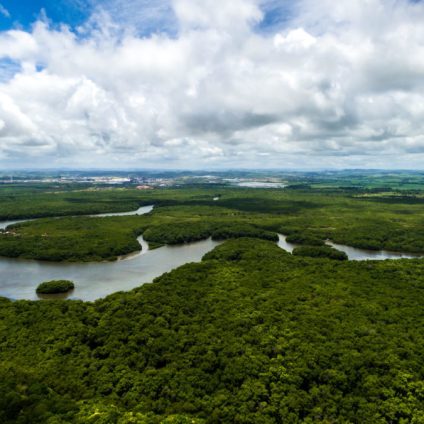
144	187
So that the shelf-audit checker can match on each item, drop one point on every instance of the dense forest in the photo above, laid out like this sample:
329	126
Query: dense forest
181	215
252	334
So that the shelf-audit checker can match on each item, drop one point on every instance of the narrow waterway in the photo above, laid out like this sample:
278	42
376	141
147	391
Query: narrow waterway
140	211
4	224
354	253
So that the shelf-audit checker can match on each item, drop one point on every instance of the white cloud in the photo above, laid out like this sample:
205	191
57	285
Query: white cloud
234	16
17	45
144	16
341	85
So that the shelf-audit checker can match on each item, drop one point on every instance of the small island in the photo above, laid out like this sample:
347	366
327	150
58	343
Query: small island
55	287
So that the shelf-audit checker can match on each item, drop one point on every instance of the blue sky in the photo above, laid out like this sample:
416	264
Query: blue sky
23	13
212	83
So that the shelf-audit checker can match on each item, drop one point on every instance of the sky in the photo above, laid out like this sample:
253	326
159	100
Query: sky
209	84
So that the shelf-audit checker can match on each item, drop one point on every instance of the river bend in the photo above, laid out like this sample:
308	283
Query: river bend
20	277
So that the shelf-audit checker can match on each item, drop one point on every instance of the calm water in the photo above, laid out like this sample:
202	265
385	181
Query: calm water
19	277
379	255
354	253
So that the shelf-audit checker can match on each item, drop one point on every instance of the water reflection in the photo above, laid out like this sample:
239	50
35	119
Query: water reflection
56	296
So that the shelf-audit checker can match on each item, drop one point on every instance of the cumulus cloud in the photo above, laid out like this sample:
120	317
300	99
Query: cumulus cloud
336	85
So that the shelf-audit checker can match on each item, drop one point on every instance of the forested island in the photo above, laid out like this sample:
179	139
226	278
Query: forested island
55	287
251	334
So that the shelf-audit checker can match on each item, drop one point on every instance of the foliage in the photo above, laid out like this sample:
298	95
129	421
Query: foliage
55	286
235	230
308	240
72	239
20	204
352	215
93	238
320	252
250	335
177	233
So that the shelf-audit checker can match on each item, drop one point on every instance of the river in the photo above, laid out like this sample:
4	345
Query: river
20	277
354	253
140	211
94	280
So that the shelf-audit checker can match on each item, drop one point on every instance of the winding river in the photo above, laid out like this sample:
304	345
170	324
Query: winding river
20	277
